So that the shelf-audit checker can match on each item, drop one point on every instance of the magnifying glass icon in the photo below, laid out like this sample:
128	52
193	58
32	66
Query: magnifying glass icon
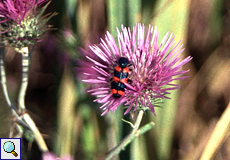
9	147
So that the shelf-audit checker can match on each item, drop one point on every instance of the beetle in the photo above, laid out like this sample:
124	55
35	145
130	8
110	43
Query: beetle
117	89
119	79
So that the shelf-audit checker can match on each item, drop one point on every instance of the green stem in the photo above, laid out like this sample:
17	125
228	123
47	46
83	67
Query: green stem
5	89
3	80
116	150
25	68
38	137
219	134
21	100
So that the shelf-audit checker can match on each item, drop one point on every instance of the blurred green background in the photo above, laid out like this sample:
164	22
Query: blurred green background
69	120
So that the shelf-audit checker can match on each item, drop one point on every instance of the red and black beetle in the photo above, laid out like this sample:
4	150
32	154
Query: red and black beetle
119	79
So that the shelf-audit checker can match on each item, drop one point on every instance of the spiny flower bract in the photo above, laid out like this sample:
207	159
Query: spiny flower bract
153	67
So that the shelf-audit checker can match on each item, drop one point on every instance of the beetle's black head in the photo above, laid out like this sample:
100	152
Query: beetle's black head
123	62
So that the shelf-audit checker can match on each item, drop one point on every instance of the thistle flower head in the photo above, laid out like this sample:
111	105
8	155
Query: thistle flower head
152	66
21	21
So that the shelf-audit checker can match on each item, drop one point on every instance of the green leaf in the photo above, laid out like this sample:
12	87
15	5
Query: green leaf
116	10
170	16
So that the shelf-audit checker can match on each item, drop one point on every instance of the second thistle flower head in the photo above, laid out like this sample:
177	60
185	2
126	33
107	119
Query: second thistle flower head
21	21
152	67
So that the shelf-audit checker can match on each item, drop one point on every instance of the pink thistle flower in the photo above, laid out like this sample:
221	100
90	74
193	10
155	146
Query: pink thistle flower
51	156
153	67
22	22
17	10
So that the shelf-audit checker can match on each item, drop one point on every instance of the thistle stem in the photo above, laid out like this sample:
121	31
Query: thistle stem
25	68
116	150
219	134
38	137
5	89
3	80
21	100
